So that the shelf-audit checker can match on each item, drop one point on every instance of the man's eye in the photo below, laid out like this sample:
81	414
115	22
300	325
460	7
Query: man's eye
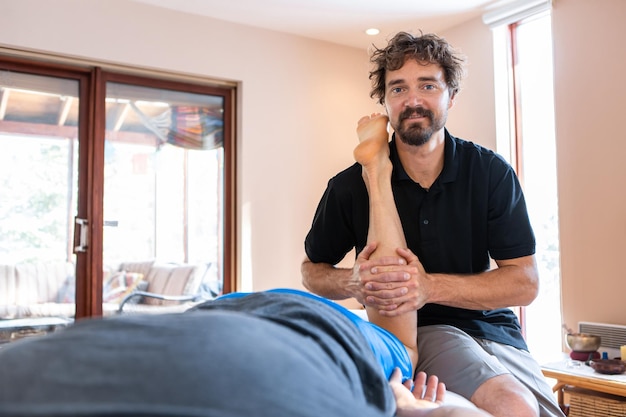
396	90
430	87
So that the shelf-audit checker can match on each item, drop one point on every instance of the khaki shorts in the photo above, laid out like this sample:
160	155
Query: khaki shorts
464	363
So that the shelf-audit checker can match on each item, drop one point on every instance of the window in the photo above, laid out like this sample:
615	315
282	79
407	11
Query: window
163	179
526	134
102	172
38	128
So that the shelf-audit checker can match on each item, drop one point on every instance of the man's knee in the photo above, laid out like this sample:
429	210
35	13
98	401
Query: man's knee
504	395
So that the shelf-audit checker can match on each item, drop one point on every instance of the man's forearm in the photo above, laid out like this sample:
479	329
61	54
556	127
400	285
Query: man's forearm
514	283
326	280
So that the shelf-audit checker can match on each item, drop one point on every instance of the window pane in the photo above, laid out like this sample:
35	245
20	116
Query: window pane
538	156
163	195
38	175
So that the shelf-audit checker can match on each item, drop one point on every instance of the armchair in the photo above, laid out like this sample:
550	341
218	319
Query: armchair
166	288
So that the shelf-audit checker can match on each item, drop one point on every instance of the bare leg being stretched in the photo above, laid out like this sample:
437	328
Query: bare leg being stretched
385	227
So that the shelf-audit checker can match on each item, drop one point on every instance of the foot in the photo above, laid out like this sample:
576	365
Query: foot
373	138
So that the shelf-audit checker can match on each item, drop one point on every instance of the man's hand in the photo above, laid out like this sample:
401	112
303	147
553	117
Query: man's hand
377	283
393	285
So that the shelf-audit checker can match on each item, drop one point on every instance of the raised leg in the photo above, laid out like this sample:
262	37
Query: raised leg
372	153
385	227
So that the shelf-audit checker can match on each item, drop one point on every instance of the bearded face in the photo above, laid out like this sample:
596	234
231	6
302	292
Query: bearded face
416	125
417	100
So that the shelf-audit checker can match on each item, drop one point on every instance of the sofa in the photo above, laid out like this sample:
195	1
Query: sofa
35	290
47	289
157	288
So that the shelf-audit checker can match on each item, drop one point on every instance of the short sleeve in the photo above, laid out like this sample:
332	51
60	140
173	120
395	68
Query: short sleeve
510	232
341	213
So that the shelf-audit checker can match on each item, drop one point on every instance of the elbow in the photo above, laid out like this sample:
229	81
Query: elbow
531	288
305	273
528	298
523	280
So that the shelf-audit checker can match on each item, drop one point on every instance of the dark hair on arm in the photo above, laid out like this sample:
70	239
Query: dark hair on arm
424	48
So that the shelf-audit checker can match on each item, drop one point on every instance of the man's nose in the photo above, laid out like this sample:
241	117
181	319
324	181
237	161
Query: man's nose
413	98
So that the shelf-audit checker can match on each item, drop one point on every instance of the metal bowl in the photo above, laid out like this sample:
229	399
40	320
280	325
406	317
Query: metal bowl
583	342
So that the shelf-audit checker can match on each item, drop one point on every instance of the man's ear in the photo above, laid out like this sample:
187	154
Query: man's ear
452	100
386	111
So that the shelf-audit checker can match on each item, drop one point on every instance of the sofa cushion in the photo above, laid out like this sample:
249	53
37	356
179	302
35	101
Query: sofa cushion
40	282
8	287
143	267
46	310
67	292
168	279
119	285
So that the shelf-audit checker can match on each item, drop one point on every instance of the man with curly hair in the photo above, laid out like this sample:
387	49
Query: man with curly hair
460	206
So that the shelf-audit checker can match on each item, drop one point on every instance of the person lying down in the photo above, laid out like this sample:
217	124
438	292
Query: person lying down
273	353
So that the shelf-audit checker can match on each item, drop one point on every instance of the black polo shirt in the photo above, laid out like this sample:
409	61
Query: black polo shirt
474	210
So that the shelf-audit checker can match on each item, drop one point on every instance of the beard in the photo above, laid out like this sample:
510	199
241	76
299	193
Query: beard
420	132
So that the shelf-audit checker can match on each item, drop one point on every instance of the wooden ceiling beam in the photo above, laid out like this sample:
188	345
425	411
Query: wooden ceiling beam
71	132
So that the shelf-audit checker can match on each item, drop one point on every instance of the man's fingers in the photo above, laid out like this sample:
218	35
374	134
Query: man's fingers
388	285
381	265
393	310
396	295
367	251
408	255
391	260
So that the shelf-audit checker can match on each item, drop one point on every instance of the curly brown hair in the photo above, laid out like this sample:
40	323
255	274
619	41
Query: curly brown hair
426	48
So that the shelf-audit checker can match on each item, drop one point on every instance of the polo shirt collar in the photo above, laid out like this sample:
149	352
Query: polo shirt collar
450	160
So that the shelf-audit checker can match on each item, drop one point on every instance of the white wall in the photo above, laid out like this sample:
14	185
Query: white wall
473	115
589	65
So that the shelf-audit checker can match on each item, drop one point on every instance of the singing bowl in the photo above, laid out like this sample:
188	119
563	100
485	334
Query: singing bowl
583	342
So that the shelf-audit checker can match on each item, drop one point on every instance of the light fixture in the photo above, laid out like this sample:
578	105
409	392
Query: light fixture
372	31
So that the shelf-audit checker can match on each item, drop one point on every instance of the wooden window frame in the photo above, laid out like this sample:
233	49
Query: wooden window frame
92	81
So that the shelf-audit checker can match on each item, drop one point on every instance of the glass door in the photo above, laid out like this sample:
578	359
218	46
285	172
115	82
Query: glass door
110	184
38	203
163	205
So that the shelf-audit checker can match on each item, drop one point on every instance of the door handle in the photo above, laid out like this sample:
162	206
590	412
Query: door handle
81	231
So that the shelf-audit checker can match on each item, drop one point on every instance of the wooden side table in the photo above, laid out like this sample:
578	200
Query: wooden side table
577	374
